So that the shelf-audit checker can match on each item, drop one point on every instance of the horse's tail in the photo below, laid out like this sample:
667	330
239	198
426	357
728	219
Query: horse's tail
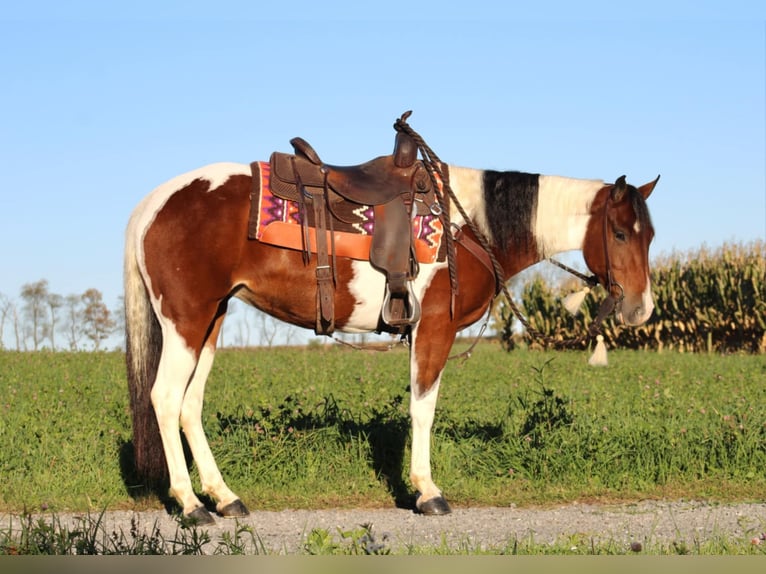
143	343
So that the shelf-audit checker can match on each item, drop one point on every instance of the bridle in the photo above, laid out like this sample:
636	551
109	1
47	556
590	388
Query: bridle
483	251
607	305
610	282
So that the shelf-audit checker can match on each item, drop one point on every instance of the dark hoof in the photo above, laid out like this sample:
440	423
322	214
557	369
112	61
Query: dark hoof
434	507
234	510
199	517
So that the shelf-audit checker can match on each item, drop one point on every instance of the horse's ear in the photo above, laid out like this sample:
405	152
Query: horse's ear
648	188
619	189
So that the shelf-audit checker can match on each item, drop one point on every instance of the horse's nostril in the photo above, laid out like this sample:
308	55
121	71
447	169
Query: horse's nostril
640	313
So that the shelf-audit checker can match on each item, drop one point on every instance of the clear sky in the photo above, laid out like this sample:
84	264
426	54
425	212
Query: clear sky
101	102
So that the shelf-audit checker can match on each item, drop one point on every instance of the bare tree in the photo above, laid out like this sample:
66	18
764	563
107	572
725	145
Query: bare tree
269	327
55	302
21	343
6	306
119	318
257	327
35	296
97	320
72	313
242	337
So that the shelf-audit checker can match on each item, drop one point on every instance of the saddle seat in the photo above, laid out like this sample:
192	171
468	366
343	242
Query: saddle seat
396	186
374	182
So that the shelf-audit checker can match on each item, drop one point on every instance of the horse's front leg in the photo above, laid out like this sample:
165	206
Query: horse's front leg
427	362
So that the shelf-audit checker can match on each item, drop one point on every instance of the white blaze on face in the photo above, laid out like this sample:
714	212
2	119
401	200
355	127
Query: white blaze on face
641	314
637	311
647	302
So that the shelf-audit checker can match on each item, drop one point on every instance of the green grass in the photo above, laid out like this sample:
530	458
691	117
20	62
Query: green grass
312	428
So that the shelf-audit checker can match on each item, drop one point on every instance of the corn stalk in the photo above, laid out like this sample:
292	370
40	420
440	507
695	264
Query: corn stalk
705	301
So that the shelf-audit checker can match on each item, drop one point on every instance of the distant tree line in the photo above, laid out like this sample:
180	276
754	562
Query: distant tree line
42	319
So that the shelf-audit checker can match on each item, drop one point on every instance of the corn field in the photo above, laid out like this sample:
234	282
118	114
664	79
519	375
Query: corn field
705	301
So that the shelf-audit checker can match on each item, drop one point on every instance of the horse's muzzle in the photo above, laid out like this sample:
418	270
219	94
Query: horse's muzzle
634	312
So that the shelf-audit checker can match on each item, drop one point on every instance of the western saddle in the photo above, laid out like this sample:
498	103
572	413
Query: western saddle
394	186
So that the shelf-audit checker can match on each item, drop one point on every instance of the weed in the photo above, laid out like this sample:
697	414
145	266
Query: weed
549	412
88	535
352	542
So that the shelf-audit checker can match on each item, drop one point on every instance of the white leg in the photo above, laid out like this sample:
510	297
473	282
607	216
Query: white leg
422	408
191	421
176	367
428	354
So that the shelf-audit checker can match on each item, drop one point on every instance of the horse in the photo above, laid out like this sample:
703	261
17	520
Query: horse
187	253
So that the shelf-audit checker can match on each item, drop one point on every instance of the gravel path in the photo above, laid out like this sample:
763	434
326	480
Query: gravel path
647	523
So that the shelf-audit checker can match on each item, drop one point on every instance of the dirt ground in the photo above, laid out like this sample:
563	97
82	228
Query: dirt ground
644	523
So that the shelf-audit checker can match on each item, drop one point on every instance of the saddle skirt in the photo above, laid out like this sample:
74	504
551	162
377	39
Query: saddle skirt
278	221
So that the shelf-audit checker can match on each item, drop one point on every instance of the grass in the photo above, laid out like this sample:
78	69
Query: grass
308	428
323	428
88	536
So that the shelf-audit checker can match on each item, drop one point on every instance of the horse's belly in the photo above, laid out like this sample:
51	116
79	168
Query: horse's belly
367	287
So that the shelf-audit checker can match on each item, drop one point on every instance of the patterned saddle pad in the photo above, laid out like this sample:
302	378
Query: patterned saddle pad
277	221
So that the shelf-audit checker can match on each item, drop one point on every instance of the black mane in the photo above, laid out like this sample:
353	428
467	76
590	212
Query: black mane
510	199
640	208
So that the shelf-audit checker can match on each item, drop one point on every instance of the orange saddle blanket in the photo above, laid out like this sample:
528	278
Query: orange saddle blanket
278	222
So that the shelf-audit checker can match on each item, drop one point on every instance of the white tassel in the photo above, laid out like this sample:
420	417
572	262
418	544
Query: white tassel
598	358
573	301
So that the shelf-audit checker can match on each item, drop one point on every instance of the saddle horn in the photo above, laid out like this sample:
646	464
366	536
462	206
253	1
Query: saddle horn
405	150
304	149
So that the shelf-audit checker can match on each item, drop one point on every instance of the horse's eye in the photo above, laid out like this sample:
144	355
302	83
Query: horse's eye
620	235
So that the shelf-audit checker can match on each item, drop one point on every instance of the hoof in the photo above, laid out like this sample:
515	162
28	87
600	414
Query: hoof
199	517
434	507
234	510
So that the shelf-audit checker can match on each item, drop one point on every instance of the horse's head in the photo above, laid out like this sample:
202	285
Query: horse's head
616	248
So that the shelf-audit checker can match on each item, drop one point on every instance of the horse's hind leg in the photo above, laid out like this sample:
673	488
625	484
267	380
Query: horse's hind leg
174	372
228	504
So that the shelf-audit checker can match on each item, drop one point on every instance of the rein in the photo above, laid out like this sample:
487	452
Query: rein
605	309
440	181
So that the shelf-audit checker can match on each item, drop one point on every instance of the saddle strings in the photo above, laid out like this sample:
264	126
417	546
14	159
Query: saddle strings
439	181
434	168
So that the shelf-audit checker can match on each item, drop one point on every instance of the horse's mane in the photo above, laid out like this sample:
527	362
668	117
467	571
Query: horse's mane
510	199
640	208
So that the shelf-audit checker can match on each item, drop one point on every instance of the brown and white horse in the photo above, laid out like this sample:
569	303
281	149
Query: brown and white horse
187	253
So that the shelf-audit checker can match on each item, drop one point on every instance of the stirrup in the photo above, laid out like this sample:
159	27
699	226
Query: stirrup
408	303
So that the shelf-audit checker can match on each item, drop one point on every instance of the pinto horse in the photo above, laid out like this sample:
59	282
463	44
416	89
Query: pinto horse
187	253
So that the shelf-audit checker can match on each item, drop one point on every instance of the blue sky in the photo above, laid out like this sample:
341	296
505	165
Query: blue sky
100	104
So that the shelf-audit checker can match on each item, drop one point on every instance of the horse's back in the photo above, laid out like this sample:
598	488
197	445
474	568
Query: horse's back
211	177
191	229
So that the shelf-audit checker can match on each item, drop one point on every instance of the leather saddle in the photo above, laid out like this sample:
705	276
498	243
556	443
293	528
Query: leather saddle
396	186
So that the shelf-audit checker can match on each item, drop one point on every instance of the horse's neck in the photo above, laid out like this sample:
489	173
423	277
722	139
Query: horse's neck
468	186
563	212
559	216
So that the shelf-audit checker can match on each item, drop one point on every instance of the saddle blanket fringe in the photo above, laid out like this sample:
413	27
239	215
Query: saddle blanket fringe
277	221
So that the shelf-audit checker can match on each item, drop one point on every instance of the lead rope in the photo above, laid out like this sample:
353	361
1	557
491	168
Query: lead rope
437	175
